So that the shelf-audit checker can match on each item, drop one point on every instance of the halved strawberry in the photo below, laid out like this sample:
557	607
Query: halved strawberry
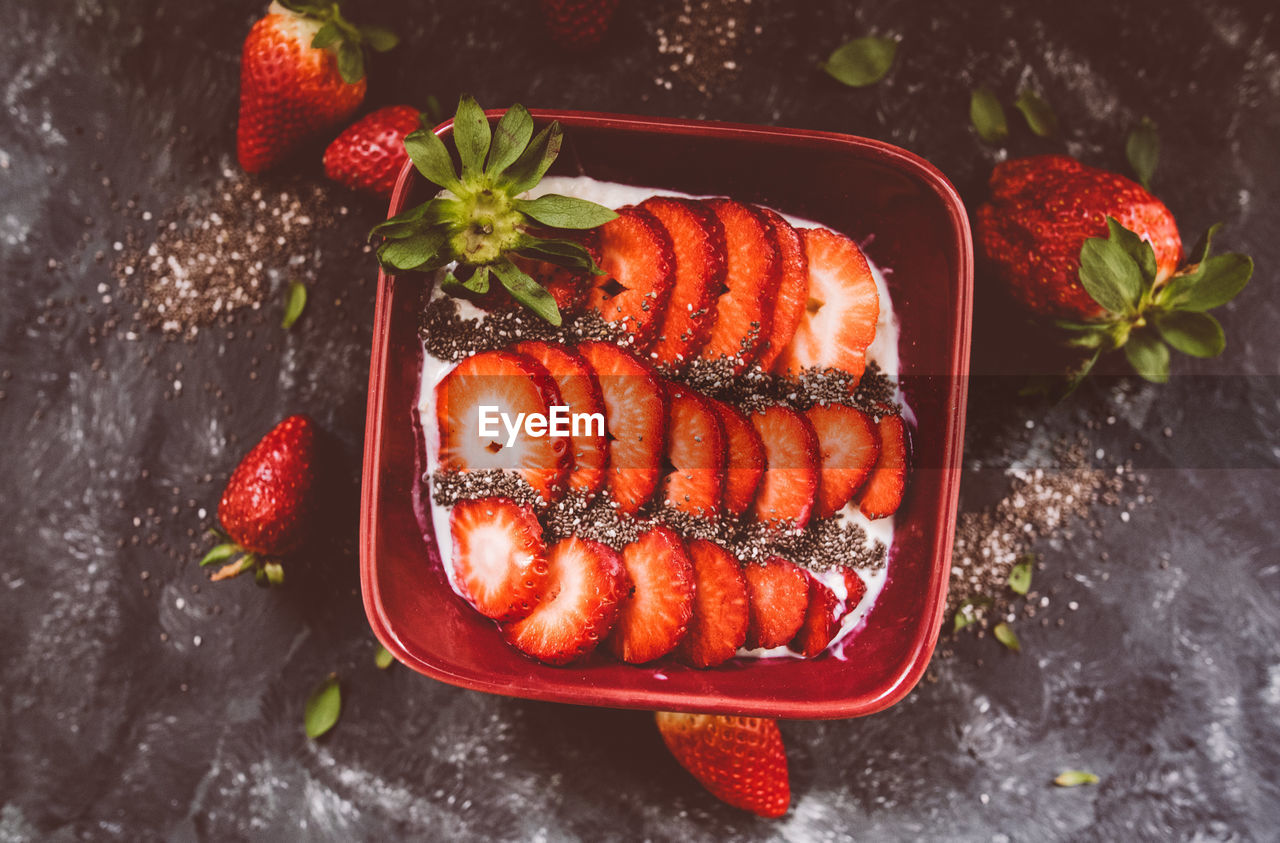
499	560
821	621
777	598
746	460
840	316
883	492
740	760
790	483
849	447
513	384
640	269
793	289
635	411
586	584
701	265
696	451
854	590
580	392
654	618
744	311
719	623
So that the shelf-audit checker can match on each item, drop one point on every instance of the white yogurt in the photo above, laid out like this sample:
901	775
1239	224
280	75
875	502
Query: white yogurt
883	351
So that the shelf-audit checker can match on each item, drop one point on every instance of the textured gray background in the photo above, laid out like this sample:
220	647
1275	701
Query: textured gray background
136	707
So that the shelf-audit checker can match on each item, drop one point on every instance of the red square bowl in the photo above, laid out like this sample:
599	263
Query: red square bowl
914	226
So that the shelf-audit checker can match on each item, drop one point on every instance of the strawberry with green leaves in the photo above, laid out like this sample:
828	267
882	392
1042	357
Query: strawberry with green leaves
1099	255
479	221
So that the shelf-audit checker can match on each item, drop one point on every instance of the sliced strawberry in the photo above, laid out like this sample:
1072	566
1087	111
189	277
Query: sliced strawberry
566	285
719	623
745	458
744	310
635	412
840	316
513	384
777	596
586	584
640	269
793	290
883	492
790	483
696	451
580	392
654	618
499	560
854	590
698	239
849	447
740	760
821	621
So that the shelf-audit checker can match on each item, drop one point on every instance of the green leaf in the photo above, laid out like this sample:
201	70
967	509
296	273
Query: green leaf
1220	279
323	707
510	137
964	617
413	252
434	112
527	291
1078	375
1143	151
988	116
1006	636
565	211
295	301
1109	275
431	158
477	282
221	553
419	219
379	38
1137	248
1038	114
1148	356
536	159
861	62
1200	250
1084	334
326	35
1075	778
559	252
1197	334
273	572
1020	575
383	659
350	62
471	135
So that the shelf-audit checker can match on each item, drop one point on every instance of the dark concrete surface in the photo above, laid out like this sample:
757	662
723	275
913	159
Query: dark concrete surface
141	702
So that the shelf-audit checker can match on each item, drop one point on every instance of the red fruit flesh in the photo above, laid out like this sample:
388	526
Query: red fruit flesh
577	24
635	413
656	614
369	154
744	310
842	311
746	459
289	91
793	289
1041	211
499	560
696	451
789	486
700	251
777	597
719	623
855	589
514	384
586	584
821	621
740	760
580	392
640	267
849	447
883	492
271	494
566	285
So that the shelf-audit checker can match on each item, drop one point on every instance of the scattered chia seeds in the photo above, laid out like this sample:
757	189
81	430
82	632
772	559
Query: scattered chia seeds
450	336
702	42
449	487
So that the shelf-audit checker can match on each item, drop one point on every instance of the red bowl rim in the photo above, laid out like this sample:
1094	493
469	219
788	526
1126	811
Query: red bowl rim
926	635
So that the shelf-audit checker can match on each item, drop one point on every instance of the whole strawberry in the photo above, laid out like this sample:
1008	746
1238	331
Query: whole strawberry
741	760
578	24
1098	254
369	154
268	501
301	72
